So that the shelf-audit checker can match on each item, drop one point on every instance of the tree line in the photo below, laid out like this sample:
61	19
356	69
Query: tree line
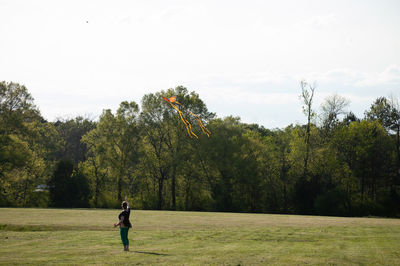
335	164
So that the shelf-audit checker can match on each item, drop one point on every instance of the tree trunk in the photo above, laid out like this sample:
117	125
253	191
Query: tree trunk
25	191
305	170
160	193
173	185
362	189
397	182
307	95
120	189
285	201
97	188
187	195
283	177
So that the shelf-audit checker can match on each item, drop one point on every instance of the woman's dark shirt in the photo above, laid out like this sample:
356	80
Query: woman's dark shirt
126	214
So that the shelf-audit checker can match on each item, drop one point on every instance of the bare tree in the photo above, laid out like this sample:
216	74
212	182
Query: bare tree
307	95
395	126
334	106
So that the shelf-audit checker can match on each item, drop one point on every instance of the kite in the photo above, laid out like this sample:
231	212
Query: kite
174	104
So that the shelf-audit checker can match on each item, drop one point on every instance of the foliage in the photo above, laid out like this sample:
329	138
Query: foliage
343	166
68	187
26	145
70	134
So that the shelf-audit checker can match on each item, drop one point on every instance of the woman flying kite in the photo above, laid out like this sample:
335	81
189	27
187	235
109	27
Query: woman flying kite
174	103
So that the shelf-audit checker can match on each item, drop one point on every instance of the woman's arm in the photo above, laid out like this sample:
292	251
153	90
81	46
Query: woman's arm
120	221
127	202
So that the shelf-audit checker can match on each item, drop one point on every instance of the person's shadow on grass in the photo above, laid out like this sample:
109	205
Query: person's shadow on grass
151	253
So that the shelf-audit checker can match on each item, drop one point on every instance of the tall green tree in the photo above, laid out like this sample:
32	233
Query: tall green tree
387	112
26	150
282	140
367	150
16	107
166	138
95	166
117	146
223	153
68	186
70	132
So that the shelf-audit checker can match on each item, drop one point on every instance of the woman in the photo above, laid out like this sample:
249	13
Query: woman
124	223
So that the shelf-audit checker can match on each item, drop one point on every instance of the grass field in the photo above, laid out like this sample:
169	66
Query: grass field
77	236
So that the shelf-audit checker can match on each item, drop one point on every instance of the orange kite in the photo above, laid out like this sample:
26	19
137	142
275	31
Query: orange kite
174	103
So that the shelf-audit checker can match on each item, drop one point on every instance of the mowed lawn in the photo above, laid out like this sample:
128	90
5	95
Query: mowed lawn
81	236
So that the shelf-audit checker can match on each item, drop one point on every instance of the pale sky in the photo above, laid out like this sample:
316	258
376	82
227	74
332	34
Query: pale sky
244	58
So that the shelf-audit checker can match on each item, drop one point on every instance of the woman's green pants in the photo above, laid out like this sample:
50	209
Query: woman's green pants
124	235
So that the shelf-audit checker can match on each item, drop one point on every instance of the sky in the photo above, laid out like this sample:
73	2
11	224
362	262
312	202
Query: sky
244	58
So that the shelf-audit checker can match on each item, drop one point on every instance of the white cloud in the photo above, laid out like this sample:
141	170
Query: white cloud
319	22
272	95
238	95
322	21
341	76
389	77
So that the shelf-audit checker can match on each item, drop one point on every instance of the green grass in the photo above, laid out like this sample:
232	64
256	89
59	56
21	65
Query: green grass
53	236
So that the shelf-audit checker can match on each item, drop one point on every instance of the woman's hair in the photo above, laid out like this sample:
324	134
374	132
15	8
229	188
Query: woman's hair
124	204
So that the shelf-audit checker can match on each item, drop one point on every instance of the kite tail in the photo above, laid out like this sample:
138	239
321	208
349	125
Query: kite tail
203	128
189	130
185	121
188	126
